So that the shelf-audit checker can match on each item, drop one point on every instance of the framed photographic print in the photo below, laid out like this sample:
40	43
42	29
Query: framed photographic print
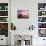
23	14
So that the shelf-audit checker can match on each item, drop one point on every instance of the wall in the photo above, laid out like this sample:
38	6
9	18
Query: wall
23	24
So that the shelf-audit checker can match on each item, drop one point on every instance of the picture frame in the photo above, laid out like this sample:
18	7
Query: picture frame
23	14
